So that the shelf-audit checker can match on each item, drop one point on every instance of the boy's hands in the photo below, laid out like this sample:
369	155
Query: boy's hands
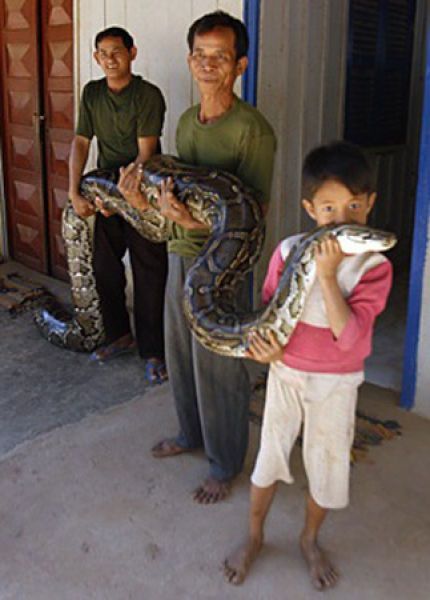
264	351
328	257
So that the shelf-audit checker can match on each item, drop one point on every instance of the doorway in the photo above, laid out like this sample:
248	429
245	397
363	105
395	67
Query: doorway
383	107
37	127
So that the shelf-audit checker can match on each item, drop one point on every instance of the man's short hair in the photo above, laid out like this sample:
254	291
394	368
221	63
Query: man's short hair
115	32
216	19
339	161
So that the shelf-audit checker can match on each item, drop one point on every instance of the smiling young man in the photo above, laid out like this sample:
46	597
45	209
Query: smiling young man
211	392
125	113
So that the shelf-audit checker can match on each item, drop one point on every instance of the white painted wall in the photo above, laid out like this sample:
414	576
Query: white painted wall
422	393
159	28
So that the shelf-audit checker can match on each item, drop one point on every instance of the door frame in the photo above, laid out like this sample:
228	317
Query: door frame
419	243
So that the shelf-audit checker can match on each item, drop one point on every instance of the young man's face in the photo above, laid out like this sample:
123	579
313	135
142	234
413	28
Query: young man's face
333	204
213	62
114	58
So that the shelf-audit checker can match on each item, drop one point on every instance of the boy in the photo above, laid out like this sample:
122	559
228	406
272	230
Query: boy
314	379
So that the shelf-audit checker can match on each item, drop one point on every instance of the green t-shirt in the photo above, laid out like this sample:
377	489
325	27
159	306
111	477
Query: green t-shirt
241	142
119	119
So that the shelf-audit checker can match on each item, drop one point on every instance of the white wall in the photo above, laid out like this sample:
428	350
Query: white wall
422	393
159	28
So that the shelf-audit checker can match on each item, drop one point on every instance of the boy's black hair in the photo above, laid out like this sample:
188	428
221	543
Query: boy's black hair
115	32
341	161
216	19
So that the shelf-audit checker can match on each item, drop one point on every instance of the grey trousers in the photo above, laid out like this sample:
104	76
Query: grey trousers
211	392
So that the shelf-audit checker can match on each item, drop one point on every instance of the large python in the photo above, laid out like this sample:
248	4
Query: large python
236	234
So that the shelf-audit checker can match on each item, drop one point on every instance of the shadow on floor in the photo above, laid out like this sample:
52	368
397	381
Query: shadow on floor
43	387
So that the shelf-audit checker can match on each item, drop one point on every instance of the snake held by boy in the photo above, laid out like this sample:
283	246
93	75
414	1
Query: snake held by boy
235	222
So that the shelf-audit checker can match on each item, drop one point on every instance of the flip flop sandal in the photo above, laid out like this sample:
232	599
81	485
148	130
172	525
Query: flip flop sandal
155	371
111	351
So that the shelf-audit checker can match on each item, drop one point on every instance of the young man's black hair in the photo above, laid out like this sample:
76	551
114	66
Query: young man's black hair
341	161
115	32
216	19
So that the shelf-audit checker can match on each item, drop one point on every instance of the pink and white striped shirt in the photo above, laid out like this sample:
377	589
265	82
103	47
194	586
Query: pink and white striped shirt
365	281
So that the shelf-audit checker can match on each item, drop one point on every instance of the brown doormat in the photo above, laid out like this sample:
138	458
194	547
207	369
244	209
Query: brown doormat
18	294
369	431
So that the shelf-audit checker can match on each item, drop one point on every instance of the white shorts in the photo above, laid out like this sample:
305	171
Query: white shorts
325	404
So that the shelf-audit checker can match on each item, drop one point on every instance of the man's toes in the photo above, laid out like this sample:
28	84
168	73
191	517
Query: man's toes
318	583
231	574
199	494
228	571
331	578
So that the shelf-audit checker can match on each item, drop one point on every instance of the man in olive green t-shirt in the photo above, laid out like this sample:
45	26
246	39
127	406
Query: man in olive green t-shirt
125	114
211	392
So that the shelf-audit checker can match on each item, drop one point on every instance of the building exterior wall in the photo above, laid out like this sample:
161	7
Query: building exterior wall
301	87
422	395
159	28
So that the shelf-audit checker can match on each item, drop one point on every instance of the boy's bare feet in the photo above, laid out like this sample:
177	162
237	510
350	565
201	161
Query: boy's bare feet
167	447
212	491
237	565
323	574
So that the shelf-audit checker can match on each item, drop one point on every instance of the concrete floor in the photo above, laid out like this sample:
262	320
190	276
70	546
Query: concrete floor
86	513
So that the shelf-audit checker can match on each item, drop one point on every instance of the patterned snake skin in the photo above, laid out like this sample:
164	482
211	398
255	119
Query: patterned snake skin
235	221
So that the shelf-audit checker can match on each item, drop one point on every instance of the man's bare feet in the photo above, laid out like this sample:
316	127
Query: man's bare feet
323	574
237	565
167	447
212	491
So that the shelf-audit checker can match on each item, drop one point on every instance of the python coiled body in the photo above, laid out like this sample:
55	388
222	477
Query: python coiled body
236	233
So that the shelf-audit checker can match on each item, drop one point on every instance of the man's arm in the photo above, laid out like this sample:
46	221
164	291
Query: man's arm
148	146
77	161
129	185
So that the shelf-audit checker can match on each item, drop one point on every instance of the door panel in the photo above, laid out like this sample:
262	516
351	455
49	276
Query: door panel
21	139
57	33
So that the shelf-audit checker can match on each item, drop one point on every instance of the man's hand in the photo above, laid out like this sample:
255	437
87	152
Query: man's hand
99	206
129	185
264	351
174	210
81	206
328	257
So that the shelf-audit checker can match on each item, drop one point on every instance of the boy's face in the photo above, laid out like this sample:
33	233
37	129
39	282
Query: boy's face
333	204
114	58
213	62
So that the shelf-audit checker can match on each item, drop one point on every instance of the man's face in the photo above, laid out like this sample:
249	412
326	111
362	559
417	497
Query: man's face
213	62
114	58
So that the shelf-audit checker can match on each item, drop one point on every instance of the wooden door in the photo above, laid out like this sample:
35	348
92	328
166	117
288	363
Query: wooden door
37	92
21	133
